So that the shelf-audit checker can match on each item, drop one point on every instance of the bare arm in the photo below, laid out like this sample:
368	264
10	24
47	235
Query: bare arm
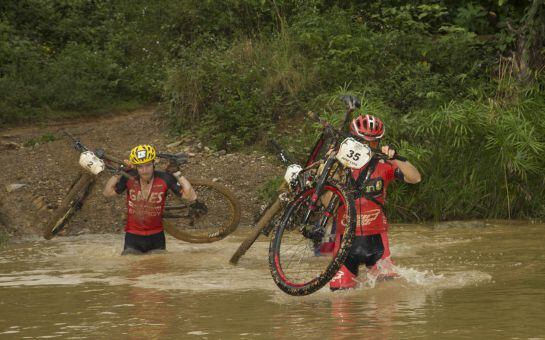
410	172
188	192
109	189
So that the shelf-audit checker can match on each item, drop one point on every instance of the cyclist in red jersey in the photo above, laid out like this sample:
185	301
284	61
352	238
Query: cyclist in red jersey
371	241
146	195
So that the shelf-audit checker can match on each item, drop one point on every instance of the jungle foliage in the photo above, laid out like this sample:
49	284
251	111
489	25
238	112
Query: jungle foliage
459	84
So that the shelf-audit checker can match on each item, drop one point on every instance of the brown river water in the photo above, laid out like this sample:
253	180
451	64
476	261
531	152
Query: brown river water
458	280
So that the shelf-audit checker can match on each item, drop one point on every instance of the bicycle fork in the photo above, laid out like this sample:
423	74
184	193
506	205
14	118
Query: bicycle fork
313	204
317	231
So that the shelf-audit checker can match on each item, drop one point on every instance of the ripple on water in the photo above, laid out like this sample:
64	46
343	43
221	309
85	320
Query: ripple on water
196	287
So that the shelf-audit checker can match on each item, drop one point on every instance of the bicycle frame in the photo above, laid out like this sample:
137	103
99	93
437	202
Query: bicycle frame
331	160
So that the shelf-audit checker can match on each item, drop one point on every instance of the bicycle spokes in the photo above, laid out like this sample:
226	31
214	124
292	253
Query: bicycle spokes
302	232
220	218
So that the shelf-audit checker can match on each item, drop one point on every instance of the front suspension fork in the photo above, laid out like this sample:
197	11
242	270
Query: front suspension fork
313	204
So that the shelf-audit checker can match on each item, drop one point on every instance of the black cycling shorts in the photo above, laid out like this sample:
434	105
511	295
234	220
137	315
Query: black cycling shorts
144	243
365	250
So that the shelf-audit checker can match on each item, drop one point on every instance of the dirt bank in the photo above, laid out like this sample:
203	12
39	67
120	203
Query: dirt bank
47	167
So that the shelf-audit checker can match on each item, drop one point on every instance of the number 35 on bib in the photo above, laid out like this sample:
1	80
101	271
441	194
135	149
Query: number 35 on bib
353	154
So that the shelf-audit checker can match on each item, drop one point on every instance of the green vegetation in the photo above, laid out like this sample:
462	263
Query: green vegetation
459	84
61	58
4	238
268	192
48	137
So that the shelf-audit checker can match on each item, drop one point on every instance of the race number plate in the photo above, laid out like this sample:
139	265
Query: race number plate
291	172
353	154
90	162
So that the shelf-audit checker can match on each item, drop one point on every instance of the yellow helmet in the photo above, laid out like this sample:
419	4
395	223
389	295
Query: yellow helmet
142	154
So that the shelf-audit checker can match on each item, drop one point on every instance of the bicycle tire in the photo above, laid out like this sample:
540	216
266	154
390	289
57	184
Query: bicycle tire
263	222
278	266
77	193
224	229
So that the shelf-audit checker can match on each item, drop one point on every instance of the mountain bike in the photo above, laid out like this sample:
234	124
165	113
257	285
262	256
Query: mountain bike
322	198
267	220
223	209
272	213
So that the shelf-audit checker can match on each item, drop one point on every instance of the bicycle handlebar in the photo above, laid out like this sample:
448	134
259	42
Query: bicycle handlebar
336	133
100	153
282	154
352	104
76	143
351	101
379	154
176	158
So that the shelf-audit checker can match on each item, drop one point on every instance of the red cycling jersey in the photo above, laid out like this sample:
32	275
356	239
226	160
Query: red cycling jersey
145	214
370	196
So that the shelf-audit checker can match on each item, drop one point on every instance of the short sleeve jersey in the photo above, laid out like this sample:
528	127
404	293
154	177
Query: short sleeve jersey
145	212
370	216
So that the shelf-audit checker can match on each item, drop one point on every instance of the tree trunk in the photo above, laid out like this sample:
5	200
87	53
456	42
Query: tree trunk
530	42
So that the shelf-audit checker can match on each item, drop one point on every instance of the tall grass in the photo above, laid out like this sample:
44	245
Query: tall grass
478	160
233	95
449	105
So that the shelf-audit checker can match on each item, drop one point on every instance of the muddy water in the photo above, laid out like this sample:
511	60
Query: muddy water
471	280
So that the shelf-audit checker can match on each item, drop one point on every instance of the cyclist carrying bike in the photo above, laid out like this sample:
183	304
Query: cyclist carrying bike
146	194
371	241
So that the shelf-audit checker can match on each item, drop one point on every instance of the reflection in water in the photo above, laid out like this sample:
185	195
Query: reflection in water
375	312
379	312
456	281
151	313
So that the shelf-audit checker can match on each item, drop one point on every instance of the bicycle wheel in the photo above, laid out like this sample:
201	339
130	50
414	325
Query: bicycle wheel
263	222
222	218
69	205
294	263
